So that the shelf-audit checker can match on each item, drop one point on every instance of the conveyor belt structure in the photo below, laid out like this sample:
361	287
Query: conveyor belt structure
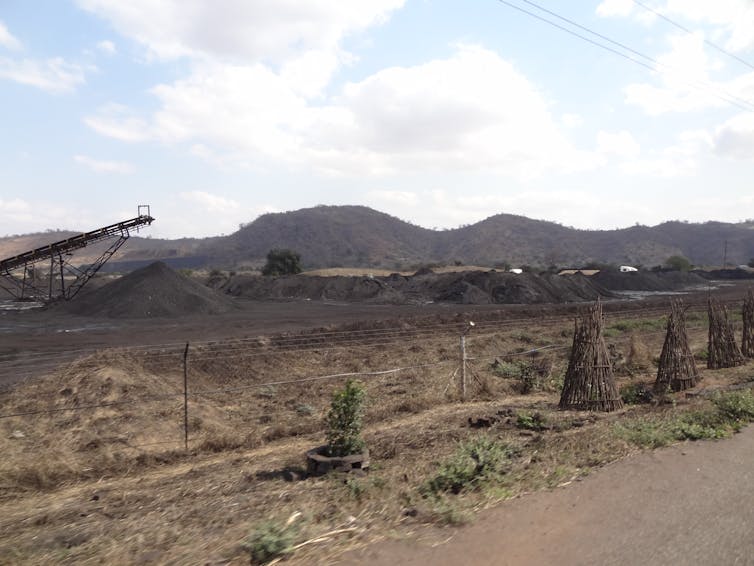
19	276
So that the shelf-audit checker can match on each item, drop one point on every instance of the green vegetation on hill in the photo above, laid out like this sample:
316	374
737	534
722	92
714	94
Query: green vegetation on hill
336	236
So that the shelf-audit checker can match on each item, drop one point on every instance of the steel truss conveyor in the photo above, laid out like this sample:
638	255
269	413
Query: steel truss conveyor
20	278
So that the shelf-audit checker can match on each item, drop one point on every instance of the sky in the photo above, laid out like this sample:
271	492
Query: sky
439	112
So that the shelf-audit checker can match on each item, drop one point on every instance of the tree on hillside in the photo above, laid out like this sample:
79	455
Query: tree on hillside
282	262
678	263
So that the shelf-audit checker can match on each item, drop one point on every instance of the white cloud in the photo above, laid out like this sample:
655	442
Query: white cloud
685	80
572	120
621	144
730	22
7	39
734	18
255	30
14	206
735	138
107	47
210	202
100	166
401	198
471	110
200	213
52	75
679	160
571	207
117	121
20	216
613	8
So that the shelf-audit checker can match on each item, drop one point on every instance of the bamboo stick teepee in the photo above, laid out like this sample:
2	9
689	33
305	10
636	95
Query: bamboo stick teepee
589	382
722	349
747	342
677	370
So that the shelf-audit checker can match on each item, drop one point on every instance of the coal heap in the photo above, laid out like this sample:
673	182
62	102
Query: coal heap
151	292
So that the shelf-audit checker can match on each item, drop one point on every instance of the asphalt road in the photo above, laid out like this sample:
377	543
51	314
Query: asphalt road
691	504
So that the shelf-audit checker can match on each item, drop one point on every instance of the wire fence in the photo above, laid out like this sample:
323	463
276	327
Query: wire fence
242	357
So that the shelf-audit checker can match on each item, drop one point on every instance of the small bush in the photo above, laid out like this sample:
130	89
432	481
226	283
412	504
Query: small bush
282	262
636	393
730	411
737	407
474	463
304	410
531	421
507	369
646	434
532	374
344	420
690	429
638	325
269	540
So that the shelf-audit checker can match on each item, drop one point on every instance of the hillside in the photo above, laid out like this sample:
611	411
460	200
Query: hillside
329	236
332	236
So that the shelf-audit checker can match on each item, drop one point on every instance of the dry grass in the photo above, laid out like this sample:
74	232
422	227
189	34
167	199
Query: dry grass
96	486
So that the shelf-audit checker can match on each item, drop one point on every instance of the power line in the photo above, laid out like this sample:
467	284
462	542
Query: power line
653	65
690	32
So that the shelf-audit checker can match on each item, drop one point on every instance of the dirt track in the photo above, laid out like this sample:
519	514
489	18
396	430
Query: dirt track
687	504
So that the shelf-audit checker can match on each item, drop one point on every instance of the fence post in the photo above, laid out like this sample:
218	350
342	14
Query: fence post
464	359
463	366
185	397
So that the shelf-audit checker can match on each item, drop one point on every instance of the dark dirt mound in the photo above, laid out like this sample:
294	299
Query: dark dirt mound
471	287
647	281
736	274
153	291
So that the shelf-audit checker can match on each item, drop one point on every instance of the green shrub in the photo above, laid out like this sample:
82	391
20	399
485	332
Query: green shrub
474	464
282	262
531	421
636	325
269	540
532	374
636	393
304	410
730	411
736	406
688	429
646	434
344	420
504	368
678	263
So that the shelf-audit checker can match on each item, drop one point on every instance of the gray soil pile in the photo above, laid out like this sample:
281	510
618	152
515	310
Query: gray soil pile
648	281
153	291
471	287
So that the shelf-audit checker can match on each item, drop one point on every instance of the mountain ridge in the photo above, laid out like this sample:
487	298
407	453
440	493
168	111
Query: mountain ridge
358	236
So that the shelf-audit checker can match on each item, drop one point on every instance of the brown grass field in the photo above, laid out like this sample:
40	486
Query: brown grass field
112	483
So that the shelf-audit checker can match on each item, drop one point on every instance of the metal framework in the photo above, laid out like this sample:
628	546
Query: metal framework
18	275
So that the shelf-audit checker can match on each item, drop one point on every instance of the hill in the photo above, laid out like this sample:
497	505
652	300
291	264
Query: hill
334	236
329	236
